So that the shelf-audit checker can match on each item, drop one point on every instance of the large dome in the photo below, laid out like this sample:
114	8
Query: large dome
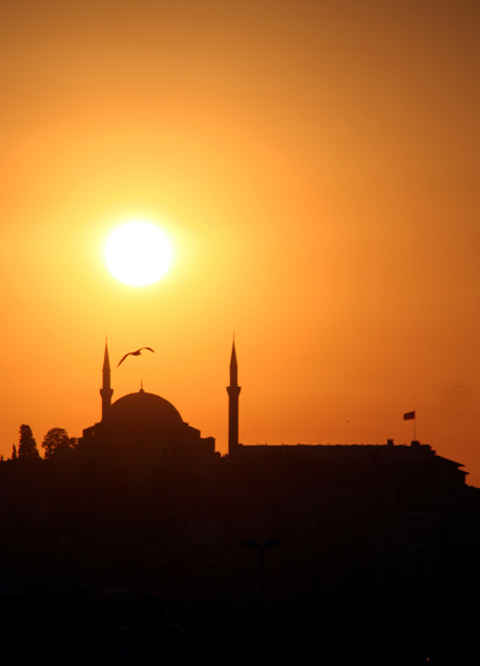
144	408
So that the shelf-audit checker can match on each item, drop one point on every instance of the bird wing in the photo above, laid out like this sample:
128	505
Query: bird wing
149	348
123	358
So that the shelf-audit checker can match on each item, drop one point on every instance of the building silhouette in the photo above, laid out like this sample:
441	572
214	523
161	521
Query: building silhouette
141	427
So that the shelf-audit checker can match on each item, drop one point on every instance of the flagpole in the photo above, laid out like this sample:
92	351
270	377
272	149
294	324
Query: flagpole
412	416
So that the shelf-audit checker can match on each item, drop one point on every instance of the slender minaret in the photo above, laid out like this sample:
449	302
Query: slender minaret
106	391
233	392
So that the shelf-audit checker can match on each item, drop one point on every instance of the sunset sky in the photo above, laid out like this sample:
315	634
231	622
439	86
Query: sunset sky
315	165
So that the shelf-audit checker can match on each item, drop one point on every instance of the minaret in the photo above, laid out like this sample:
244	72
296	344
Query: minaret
106	391
233	392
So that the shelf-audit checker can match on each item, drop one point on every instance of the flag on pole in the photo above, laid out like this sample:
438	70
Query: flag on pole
408	416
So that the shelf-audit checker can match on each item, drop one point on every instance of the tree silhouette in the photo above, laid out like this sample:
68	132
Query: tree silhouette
57	442
27	448
14	452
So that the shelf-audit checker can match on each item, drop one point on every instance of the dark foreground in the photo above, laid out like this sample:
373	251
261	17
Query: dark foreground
236	565
70	623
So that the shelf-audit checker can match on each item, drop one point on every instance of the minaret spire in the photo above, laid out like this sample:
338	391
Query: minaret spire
106	391
233	392
233	366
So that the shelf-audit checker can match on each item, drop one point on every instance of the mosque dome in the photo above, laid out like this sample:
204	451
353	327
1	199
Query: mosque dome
144	408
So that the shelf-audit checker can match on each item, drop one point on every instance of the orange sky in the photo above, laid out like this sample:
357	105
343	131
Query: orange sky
316	166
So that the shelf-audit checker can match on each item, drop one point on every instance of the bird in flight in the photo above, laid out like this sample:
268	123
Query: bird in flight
137	352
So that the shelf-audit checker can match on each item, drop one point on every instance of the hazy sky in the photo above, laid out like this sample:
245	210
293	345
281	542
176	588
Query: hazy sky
316	165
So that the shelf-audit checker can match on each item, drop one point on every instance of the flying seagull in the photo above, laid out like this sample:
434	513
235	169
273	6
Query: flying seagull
137	352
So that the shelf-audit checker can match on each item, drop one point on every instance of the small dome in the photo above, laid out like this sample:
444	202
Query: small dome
144	408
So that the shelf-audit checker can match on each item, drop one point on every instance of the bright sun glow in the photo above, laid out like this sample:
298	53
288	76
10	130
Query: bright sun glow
138	253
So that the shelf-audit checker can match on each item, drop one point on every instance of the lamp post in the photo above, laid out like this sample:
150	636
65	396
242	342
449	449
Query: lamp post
261	547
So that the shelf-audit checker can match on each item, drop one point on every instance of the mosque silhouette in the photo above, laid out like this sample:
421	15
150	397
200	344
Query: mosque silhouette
145	428
141	426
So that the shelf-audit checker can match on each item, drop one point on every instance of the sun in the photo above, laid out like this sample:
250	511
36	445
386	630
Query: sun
138	253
